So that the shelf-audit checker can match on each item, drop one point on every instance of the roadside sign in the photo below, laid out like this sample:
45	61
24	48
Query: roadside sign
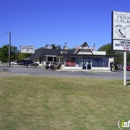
121	34
27	49
120	30
121	45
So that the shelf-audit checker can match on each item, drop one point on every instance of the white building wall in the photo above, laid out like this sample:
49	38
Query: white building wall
82	53
100	68
99	52
73	68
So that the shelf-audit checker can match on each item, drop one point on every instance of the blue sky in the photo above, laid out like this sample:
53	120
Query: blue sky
41	22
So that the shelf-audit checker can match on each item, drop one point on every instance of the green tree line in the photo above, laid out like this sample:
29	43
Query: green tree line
14	53
17	55
119	59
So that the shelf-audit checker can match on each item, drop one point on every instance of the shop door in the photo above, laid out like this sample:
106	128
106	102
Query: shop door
86	63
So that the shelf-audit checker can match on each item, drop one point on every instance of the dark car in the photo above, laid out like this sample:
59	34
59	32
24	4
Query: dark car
21	62
33	64
30	63
27	62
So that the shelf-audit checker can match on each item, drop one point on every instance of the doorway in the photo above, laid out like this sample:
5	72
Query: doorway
86	63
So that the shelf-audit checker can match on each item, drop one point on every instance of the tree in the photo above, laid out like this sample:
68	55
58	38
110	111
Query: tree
119	59
4	53
14	53
22	55
107	48
39	48
46	45
109	51
53	46
128	58
58	47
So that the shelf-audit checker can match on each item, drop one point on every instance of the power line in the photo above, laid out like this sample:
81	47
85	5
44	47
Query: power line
3	34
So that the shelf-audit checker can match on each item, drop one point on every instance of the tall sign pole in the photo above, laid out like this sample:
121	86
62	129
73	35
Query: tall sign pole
125	63
121	35
9	48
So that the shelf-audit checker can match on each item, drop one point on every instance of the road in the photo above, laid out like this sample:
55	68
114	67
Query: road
40	71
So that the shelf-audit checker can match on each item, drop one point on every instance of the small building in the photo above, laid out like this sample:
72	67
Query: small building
82	57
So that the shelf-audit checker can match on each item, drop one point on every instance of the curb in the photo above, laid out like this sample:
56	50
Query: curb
85	70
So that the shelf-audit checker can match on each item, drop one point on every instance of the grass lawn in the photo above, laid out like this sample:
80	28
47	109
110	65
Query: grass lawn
57	103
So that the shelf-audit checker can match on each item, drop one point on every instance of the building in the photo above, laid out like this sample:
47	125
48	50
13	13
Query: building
82	57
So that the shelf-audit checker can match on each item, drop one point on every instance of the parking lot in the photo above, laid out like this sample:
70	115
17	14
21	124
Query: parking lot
41	71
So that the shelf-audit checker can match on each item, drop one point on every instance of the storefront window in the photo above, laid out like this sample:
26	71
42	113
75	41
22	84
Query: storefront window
70	61
50	58
99	62
78	61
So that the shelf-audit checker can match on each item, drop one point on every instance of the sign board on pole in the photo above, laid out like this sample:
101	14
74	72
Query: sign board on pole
121	34
121	45
27	49
120	30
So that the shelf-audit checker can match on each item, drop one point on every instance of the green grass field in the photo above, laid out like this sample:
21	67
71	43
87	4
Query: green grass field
56	103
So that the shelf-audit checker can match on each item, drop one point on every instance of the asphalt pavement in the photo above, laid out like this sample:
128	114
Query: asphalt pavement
16	70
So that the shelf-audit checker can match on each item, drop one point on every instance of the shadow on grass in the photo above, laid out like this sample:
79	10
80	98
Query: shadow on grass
127	81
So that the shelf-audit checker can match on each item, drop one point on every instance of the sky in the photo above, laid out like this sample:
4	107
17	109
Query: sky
40	22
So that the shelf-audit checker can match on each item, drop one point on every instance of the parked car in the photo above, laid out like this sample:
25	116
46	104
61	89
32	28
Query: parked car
14	62
120	66
33	64
21	62
55	65
30	63
128	68
48	64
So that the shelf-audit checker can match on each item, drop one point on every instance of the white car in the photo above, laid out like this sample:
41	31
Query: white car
48	64
14	63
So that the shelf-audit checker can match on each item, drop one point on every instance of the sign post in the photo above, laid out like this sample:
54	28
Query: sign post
125	63
121	35
9	48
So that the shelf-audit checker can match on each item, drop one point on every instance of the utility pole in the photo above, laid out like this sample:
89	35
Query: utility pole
9	48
